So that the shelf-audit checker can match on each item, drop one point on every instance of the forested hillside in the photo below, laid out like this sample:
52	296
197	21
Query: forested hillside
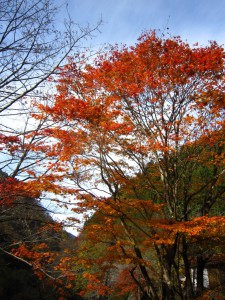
30	238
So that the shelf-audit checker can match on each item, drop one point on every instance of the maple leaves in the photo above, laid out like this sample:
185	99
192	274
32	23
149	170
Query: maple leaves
157	101
134	126
137	136
12	189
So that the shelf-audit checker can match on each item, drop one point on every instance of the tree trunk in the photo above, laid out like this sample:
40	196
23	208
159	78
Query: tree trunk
188	292
148	281
200	274
167	292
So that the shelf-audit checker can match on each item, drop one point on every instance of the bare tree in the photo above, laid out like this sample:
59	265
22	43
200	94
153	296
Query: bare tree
31	47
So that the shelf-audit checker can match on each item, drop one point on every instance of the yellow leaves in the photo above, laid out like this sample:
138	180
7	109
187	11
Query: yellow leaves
128	261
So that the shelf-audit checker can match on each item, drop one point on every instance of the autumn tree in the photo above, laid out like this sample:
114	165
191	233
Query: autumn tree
154	110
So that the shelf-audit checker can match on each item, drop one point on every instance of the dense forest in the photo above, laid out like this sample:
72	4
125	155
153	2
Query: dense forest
129	142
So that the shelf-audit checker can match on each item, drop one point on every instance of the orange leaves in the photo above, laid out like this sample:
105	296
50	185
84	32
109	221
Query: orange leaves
37	256
94	284
199	227
189	119
10	143
211	227
153	92
9	139
124	283
12	189
118	128
136	126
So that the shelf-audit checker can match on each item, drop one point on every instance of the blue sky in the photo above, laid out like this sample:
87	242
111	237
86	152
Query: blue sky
124	20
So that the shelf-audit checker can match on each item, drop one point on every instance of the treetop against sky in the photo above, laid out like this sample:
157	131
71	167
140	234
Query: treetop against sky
124	20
